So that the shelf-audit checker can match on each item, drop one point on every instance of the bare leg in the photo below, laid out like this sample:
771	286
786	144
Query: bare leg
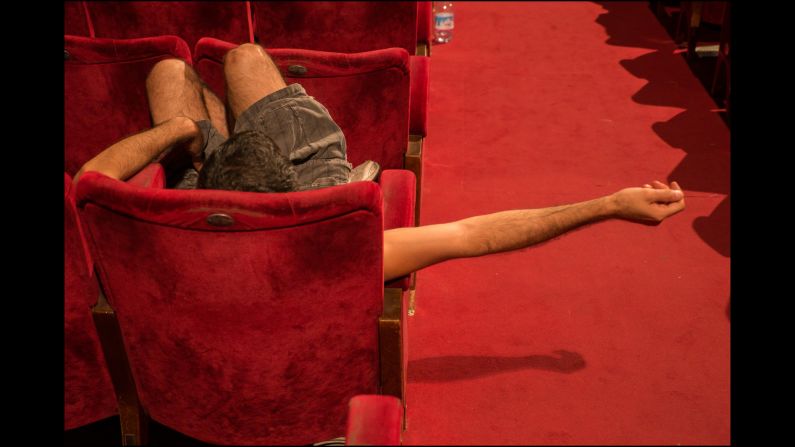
216	110
174	89
250	75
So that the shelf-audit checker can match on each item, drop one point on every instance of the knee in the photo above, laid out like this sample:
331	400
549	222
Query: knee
244	54
167	69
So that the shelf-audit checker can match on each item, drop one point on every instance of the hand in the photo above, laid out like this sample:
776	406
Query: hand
652	203
188	147
193	143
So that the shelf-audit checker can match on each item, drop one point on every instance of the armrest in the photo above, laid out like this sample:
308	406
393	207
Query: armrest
374	420
152	176
424	28
398	188
392	344
419	84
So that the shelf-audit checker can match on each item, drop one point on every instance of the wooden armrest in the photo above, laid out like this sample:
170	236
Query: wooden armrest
413	162
390	344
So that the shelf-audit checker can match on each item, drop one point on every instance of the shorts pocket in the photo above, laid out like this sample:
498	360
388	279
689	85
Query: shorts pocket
283	125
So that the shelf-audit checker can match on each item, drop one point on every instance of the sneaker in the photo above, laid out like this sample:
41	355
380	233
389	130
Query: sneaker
365	171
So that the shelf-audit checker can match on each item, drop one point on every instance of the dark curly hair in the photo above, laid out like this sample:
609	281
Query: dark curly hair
248	161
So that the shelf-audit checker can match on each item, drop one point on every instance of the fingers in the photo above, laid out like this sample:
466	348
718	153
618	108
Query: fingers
667	195
659	185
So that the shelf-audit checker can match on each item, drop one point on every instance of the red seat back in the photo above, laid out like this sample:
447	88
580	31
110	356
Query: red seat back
105	91
188	20
255	330
75	22
346	27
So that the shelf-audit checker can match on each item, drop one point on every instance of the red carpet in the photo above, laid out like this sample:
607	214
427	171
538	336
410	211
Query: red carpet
614	334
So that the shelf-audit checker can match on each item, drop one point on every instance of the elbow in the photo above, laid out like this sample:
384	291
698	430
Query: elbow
79	174
90	167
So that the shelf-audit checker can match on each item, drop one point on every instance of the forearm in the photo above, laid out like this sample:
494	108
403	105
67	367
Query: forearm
412	248
125	158
511	230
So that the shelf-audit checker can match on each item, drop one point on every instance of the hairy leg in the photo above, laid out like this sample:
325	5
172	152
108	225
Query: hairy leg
250	75
174	89
216	110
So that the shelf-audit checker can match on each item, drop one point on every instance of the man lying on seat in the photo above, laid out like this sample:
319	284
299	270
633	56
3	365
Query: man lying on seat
284	140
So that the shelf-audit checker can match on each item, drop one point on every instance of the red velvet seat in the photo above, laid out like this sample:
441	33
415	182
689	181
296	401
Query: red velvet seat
345	27
367	94
88	392
105	100
421	71
308	25
105	91
424	28
75	21
188	20
353	27
247	318
374	420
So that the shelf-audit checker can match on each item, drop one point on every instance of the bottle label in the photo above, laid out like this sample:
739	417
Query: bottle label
444	20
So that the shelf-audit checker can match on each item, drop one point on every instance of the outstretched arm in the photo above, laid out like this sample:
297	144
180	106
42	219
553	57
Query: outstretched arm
125	158
410	249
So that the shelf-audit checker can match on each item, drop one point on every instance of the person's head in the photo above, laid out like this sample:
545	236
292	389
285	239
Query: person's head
248	161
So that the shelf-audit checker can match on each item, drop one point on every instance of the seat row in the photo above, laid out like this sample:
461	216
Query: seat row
222	294
346	27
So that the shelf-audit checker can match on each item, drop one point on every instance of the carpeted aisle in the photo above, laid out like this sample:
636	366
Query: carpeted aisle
614	334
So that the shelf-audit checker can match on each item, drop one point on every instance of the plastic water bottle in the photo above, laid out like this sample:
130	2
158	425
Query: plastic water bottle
443	22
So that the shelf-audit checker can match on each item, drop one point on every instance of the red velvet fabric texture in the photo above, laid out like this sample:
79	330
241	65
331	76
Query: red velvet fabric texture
74	22
398	186
152	176
105	91
254	333
425	23
88	392
420	85
374	420
367	94
188	20
346	27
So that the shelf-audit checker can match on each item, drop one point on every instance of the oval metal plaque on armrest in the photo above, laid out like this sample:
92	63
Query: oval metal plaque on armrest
296	69
220	220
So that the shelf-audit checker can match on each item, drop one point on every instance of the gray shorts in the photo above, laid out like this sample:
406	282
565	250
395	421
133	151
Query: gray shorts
302	129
